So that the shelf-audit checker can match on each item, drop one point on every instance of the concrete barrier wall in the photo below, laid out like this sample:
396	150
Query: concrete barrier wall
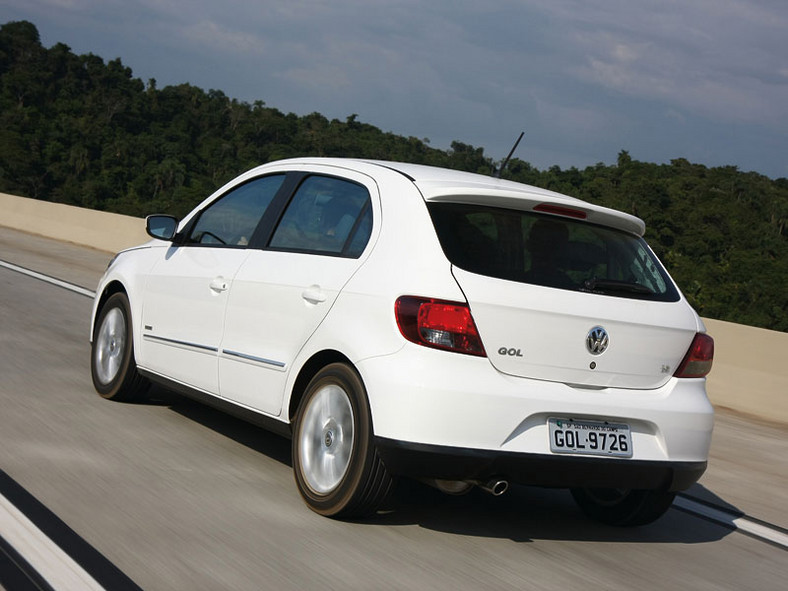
750	372
98	229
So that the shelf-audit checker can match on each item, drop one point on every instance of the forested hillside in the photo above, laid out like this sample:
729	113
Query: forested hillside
77	130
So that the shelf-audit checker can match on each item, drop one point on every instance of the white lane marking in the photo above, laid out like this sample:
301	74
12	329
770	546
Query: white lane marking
48	279
734	521
47	558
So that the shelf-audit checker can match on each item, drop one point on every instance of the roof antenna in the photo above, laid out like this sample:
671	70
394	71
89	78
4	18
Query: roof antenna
506	160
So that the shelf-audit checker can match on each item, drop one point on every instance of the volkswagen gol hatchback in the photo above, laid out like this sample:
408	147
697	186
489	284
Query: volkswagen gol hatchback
397	319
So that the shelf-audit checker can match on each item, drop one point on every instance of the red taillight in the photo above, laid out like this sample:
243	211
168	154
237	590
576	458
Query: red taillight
438	324
697	362
561	210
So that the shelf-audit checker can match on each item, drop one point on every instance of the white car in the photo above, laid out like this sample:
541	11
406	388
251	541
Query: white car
404	320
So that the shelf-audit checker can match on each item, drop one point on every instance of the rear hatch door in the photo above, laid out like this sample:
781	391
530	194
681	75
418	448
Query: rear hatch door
565	299
578	338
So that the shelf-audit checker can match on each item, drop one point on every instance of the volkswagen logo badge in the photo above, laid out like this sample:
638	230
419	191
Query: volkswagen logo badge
597	340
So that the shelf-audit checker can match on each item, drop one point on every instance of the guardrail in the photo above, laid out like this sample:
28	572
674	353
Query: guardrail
750	373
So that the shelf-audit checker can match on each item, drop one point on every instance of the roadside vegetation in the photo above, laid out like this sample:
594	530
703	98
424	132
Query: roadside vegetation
77	130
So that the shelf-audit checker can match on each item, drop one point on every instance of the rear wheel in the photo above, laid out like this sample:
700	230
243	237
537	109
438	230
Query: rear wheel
623	507
112	363
337	468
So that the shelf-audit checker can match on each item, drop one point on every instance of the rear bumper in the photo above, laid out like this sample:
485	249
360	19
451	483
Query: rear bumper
454	417
451	463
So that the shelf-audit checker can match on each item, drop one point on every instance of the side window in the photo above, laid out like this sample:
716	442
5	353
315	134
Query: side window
326	215
231	220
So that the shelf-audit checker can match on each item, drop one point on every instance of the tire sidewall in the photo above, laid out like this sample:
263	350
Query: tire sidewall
346	492
109	390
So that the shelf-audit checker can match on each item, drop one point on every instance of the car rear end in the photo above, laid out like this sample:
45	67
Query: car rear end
571	360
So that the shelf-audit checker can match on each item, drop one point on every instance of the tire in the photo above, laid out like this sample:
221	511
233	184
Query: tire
623	507
336	466
112	364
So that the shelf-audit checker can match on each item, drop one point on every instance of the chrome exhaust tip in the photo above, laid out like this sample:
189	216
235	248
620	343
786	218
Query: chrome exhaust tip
495	487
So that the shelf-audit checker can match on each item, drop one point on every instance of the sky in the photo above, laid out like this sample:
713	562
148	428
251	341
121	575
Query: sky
705	80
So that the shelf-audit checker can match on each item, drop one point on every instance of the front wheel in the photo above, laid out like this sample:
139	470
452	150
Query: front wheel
112	364
623	507
337	468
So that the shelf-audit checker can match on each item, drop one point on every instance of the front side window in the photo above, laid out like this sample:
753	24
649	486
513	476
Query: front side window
550	251
232	219
327	215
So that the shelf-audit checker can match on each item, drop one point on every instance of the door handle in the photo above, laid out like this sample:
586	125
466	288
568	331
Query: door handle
219	284
313	294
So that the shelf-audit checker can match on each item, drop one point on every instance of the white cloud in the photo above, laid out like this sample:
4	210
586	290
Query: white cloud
711	57
573	121
213	36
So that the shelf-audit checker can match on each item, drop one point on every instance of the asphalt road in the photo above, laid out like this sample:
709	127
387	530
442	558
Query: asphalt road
178	496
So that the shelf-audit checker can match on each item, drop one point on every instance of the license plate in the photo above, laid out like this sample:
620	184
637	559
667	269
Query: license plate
595	438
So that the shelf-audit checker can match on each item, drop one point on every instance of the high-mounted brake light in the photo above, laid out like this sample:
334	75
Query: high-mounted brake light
561	210
697	362
439	324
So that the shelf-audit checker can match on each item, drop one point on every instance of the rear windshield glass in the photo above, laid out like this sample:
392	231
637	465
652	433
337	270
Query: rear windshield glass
550	251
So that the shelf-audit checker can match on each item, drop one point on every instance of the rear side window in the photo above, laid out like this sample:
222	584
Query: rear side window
326	215
549	251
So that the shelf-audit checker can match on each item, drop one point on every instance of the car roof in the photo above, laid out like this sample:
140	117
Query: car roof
447	185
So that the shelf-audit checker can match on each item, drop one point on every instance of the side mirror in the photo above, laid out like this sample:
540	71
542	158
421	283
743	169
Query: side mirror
162	227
